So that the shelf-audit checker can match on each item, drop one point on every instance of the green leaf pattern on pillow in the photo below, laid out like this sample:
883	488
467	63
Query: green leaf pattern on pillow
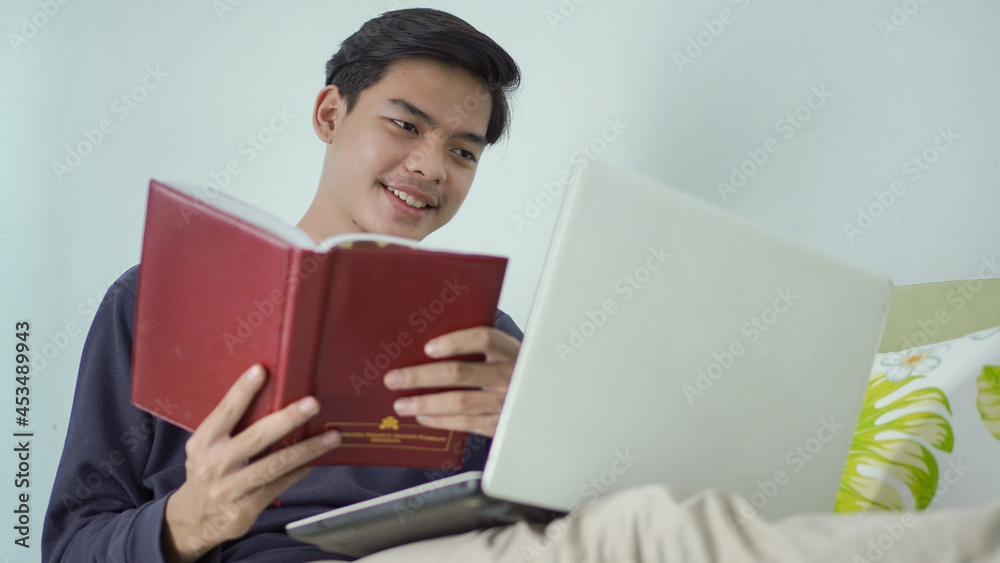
988	399
915	420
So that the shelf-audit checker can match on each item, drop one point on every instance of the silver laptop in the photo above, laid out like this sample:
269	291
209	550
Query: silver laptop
670	341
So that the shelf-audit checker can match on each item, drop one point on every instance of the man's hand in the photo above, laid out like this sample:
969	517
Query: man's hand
223	493
475	410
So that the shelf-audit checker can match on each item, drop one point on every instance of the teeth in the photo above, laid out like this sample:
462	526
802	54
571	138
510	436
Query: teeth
409	199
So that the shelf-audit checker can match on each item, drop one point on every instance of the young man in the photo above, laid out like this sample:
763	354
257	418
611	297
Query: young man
412	100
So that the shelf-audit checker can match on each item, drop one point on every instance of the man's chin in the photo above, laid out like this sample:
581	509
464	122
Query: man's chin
396	229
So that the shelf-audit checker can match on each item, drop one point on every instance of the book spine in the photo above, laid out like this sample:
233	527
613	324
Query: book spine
305	294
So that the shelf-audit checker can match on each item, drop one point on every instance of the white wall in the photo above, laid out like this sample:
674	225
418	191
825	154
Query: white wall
891	90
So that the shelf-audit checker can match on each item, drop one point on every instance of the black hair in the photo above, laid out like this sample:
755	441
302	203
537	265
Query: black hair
365	57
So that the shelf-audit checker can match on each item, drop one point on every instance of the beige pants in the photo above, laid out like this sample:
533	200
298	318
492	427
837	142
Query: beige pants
658	524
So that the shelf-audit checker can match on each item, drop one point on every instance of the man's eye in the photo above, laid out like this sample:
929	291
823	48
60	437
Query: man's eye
405	125
466	155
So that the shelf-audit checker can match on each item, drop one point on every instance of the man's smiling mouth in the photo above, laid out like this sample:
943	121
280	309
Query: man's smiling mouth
407	198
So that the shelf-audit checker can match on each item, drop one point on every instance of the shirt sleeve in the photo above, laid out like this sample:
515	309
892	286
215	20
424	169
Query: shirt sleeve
99	509
507	324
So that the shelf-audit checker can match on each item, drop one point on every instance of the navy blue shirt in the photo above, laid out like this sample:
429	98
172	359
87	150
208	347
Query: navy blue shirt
120	464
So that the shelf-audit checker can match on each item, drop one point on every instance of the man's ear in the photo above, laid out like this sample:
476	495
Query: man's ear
329	107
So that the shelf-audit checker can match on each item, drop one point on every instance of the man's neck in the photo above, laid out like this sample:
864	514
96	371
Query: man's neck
322	220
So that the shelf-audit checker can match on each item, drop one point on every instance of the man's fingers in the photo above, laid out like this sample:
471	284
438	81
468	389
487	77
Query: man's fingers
278	466
220	422
261	434
451	374
495	344
450	403
473	410
483	424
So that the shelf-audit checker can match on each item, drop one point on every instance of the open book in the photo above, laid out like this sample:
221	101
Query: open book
224	285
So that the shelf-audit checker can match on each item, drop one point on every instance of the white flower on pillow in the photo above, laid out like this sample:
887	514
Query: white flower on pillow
902	365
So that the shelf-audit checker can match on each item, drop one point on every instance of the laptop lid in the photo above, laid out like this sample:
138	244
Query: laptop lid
673	341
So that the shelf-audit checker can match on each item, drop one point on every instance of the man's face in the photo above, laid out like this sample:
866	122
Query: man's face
403	160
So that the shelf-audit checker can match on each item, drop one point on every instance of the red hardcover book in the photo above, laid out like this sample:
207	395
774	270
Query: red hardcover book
223	285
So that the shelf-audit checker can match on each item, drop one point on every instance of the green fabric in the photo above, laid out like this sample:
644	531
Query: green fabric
935	312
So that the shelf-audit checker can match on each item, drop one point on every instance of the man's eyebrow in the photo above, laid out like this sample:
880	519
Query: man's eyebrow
413	110
420	114
472	138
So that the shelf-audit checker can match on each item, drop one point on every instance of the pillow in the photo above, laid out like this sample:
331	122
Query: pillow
929	430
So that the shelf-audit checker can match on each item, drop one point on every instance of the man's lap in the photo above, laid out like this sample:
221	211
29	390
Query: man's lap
659	524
